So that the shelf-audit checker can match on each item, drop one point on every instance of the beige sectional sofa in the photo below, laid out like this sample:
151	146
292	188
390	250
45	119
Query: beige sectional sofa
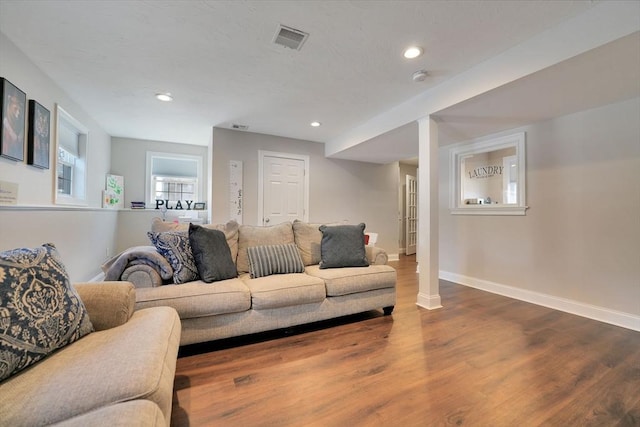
120	375
245	305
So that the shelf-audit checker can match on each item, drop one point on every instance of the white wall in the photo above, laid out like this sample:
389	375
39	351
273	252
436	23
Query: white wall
128	158
580	239
83	236
338	190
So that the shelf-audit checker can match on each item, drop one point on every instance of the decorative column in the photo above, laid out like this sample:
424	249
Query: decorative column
428	205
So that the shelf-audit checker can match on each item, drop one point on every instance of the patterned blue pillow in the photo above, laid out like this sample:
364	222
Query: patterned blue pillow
40	311
175	247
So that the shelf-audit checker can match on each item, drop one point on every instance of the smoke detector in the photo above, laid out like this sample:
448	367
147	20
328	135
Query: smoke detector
420	76
290	37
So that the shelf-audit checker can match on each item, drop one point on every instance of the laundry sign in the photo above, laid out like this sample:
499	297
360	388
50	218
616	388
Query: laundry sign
485	172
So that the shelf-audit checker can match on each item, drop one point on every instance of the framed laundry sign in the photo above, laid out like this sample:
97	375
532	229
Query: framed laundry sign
488	176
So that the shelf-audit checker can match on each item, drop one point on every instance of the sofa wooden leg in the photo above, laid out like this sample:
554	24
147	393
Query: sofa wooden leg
388	310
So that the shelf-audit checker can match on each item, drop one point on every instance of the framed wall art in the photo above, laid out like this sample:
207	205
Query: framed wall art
13	117
38	135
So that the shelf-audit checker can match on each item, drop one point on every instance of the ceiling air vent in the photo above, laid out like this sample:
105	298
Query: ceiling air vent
239	127
290	37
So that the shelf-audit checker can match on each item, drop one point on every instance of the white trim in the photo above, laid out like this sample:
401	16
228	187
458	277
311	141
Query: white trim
613	317
429	302
261	155
55	208
78	195
98	278
489	210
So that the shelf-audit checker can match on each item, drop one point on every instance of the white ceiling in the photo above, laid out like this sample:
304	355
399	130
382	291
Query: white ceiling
218	60
606	74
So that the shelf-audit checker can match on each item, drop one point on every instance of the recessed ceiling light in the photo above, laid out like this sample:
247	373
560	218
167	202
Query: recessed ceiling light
166	97
315	124
412	52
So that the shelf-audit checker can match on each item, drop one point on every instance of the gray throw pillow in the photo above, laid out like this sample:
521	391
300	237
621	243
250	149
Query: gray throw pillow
274	259
342	246
175	247
212	254
40	311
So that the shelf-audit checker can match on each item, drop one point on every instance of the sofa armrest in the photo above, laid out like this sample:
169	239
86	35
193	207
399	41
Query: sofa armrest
109	304
376	255
142	276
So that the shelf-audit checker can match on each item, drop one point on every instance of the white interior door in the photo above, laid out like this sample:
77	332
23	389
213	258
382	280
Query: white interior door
411	215
283	189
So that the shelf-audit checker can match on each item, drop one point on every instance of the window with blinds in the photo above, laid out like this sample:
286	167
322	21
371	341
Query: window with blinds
71	163
173	177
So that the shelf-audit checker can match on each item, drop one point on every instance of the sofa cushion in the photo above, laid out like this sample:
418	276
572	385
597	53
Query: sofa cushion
251	235
175	247
197	298
230	230
40	311
211	254
308	238
350	280
274	259
133	361
343	246
284	290
133	413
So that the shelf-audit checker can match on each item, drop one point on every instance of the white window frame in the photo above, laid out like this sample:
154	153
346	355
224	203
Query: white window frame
176	180
80	169
459	152
149	181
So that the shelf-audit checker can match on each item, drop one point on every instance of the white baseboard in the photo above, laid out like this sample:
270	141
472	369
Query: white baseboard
589	311
98	278
429	302
393	257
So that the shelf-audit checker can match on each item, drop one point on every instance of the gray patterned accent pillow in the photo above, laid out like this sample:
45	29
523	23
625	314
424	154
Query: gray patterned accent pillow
274	259
175	247
343	246
40	311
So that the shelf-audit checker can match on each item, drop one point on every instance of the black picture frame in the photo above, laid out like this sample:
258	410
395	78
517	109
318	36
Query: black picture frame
199	206
38	140
13	108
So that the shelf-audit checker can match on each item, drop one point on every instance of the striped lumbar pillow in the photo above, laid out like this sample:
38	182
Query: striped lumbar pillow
274	259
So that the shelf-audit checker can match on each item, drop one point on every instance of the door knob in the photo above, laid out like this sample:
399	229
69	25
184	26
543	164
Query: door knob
266	221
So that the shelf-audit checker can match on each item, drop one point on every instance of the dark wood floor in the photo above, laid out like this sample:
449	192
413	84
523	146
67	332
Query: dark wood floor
482	360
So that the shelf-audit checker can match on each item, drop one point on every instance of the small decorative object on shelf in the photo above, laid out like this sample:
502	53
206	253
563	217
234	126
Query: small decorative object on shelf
113	195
